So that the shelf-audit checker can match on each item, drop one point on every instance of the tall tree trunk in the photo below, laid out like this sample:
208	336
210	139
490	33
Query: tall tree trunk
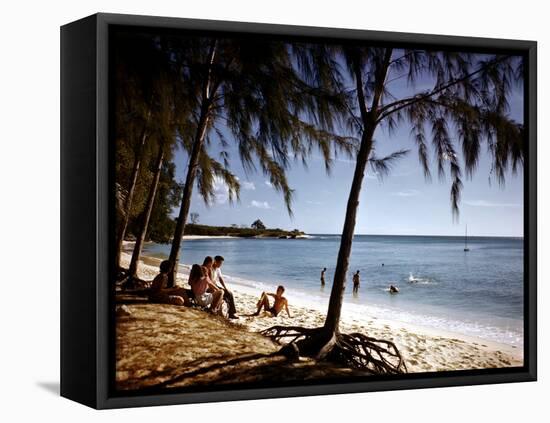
368	118
186	199
131	188
342	264
147	212
207	95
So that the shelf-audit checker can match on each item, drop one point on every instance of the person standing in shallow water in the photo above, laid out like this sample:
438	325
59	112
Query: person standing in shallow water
356	282
323	276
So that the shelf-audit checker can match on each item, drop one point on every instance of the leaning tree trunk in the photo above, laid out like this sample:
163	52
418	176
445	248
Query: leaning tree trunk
342	263
369	123
357	350
121	233
198	142
147	213
186	198
321	342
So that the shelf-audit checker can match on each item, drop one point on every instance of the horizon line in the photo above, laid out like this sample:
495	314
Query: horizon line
440	235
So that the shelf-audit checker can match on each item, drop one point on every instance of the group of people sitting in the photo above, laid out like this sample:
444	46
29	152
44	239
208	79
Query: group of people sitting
209	290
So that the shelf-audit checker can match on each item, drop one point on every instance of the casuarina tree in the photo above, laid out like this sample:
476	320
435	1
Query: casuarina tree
138	65
247	92
464	110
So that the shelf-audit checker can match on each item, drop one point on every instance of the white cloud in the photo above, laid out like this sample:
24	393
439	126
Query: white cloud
484	203
269	184
260	204
221	191
249	186
407	193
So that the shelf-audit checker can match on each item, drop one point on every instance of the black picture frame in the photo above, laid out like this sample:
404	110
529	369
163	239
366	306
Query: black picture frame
86	221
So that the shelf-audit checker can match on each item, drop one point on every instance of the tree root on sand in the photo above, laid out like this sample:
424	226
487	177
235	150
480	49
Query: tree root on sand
353	350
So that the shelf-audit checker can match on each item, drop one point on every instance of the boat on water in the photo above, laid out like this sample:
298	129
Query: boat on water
466	240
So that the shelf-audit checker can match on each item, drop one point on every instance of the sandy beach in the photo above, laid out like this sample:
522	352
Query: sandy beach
423	349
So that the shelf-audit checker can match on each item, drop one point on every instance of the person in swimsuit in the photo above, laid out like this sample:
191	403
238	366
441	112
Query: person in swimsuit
207	264
279	303
159	293
356	282
323	275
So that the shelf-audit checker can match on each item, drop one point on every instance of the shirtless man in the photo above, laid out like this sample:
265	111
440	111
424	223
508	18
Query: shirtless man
356	282
278	305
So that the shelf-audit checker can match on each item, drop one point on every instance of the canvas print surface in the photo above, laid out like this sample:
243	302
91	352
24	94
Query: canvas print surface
293	211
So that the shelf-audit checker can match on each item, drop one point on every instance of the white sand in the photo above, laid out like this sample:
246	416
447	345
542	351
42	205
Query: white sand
424	349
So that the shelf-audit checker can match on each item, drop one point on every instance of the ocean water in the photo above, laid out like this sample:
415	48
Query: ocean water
477	293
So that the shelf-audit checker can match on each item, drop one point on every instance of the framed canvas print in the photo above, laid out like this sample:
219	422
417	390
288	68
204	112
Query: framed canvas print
258	211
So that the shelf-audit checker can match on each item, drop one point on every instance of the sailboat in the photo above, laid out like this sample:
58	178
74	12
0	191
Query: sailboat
466	240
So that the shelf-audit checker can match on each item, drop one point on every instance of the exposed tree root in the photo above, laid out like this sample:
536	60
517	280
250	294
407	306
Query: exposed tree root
128	282
354	350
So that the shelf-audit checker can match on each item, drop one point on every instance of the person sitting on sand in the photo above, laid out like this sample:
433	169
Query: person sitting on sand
323	275
158	292
278	305
228	295
205	292
356	282
393	289
207	264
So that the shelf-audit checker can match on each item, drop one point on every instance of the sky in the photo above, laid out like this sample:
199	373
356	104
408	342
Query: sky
404	203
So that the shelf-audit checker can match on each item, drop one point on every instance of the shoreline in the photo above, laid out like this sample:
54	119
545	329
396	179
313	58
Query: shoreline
424	348
195	237
127	245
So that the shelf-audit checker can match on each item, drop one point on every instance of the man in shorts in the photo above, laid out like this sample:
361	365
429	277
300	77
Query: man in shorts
280	302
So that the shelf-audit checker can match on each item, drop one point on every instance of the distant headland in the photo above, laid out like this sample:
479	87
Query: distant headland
242	232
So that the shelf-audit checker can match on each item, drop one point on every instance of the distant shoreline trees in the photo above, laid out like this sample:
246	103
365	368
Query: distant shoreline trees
257	224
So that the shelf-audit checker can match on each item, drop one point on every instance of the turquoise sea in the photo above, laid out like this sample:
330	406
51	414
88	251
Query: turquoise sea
477	293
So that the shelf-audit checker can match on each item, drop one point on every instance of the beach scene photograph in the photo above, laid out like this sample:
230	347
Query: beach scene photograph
291	211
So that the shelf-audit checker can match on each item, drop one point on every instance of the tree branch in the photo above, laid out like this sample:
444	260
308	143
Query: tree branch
359	86
401	104
381	79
